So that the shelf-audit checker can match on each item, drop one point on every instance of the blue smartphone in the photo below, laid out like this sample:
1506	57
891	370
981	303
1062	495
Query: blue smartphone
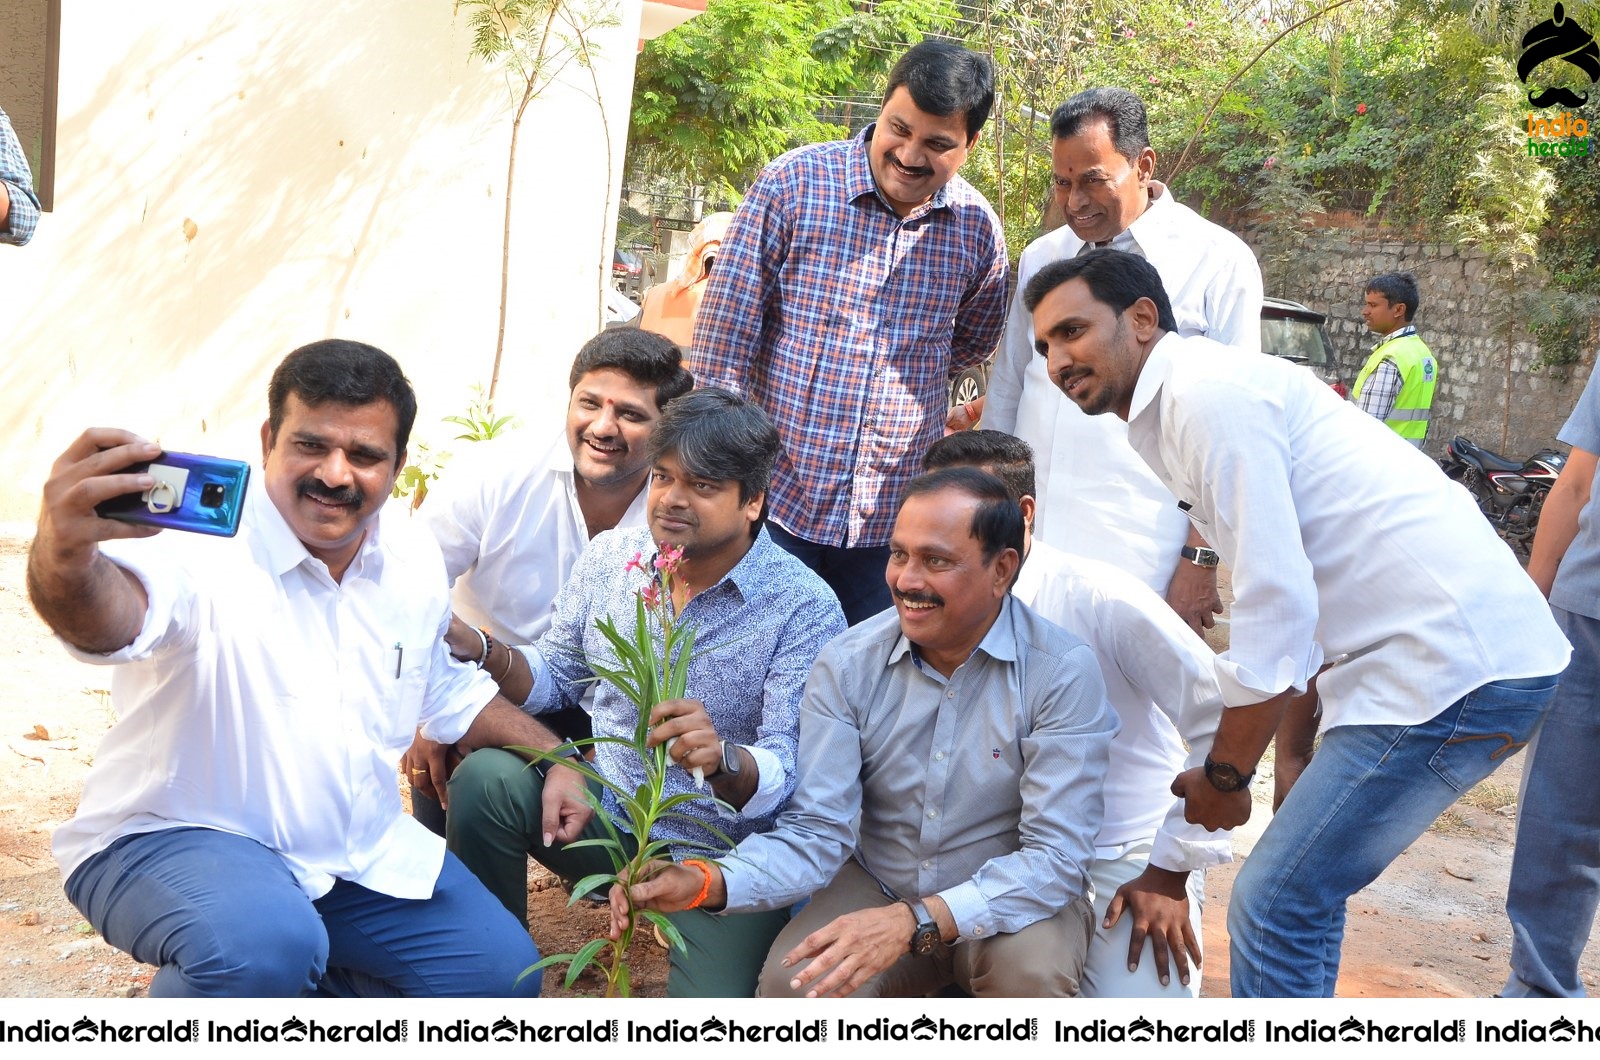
200	494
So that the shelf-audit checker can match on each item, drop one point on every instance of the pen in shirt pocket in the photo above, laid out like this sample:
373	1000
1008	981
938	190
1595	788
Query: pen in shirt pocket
1188	509
399	659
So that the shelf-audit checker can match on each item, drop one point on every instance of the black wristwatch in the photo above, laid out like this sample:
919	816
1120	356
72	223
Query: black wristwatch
926	935
1225	777
565	753
730	758
1200	557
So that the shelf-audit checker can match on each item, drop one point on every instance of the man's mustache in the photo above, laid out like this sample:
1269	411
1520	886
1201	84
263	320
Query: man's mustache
921	171
919	597
312	487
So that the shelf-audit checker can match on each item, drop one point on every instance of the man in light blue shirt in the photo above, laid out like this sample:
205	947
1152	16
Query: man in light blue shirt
952	758
1555	874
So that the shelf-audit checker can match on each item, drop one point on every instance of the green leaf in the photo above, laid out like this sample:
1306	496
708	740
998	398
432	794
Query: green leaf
589	883
623	982
583	958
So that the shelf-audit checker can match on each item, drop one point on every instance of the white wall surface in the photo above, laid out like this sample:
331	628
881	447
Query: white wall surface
234	180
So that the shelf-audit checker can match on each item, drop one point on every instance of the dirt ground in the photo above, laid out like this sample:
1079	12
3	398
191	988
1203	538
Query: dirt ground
1432	926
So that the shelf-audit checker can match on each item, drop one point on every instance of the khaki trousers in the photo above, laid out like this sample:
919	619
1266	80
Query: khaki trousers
1044	959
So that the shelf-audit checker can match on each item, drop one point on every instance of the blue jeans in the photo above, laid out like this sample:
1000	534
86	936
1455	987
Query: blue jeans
220	915
1555	873
856	575
1369	792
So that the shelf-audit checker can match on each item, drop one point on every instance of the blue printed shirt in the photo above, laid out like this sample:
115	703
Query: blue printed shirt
757	633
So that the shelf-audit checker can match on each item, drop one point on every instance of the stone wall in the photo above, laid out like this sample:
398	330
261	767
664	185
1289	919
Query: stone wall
1458	291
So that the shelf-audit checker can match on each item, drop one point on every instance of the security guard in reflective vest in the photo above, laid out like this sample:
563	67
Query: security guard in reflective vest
1396	384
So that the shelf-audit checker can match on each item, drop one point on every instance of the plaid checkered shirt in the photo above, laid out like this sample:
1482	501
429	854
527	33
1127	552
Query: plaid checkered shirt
24	215
845	322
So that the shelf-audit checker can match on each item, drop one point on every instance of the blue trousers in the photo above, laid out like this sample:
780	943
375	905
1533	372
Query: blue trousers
220	915
856	575
1368	794
1555	873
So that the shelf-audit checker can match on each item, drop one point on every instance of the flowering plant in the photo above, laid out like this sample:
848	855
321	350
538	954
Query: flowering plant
650	669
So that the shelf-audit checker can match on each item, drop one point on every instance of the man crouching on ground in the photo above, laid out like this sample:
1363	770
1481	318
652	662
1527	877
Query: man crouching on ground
241	829
969	737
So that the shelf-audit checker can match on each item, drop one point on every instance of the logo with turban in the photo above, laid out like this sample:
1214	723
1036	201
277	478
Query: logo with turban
1559	38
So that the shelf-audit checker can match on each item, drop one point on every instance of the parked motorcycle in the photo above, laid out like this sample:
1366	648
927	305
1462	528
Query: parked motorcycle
1510	493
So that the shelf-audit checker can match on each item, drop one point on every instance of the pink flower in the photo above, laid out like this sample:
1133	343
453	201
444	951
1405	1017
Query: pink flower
1361	108
1270	162
651	595
1127	33
636	563
1190	23
668	558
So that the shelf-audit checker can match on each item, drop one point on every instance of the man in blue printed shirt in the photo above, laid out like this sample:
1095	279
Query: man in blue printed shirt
760	619
856	279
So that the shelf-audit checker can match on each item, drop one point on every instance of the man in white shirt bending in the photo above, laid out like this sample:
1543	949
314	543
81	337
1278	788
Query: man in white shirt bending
1096	497
241	829
513	515
1149	863
1346	544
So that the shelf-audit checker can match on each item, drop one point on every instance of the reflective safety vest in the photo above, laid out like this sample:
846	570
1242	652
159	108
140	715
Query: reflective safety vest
1419	375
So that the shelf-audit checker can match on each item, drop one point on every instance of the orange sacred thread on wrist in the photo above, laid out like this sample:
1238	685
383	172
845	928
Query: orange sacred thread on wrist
705	885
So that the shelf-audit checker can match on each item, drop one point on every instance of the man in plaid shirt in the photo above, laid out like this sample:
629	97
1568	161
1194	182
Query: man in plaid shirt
856	279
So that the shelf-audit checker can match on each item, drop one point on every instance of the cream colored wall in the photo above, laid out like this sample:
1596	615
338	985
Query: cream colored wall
235	180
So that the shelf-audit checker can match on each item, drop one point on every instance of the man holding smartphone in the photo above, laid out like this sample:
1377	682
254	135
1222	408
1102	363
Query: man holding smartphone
241	829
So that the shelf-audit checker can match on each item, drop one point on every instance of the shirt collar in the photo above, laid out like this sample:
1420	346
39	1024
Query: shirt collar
746	576
1398	333
1000	642
275	542
858	179
1154	373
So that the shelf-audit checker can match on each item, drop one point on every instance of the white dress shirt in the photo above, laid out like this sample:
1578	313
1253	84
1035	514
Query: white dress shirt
264	699
1096	498
506	516
1161	679
1344	540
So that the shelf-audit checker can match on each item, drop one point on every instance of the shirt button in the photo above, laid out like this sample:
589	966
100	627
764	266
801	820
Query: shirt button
950	694
938	756
977	931
932	814
927	864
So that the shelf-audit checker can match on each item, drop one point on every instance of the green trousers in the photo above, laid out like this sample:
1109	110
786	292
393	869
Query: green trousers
496	823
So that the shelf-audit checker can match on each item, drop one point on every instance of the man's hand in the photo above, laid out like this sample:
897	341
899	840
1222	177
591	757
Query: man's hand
566	810
83	596
464	642
428	766
1193	594
686	721
1204	805
83	476
1158	903
666	888
852	949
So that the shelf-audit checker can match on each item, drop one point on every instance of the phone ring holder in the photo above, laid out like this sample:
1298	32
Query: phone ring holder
162	498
